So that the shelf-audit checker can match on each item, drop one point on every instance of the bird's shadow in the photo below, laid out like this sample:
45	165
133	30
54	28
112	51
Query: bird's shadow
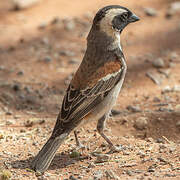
60	161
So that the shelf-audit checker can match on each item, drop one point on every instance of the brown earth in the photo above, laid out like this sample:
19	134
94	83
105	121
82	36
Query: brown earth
40	48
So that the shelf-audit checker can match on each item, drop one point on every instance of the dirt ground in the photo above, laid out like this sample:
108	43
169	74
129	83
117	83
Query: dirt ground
41	47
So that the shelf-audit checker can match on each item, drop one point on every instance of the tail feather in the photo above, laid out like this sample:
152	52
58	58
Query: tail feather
43	159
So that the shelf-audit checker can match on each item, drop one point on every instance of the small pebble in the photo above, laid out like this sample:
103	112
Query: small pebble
42	26
172	149
129	172
115	112
56	20
166	89
150	11
160	140
20	73
134	108
72	178
19	4
156	99
140	123
176	88
47	59
16	87
98	175
73	61
155	77
45	40
111	175
69	25
102	158
158	63
173	56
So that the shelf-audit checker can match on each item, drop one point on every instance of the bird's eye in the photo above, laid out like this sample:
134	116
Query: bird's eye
124	16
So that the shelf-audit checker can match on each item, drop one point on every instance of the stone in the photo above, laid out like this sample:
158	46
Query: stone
176	88
140	123
165	72
172	149
20	73
98	175
102	158
158	63
150	11
160	140
69	24
115	112
2	68
156	78
72	178
129	172
173	56
16	87
42	25
111	175
166	89
177	107
134	108
175	6
67	53
55	20
74	61
23	4
156	99
45	41
47	59
10	122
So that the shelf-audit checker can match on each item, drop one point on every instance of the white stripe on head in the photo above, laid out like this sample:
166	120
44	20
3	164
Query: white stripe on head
106	22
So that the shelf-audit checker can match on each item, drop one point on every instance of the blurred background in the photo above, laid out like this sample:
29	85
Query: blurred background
42	43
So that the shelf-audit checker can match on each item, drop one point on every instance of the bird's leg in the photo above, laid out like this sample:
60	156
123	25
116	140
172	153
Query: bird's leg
78	143
100	128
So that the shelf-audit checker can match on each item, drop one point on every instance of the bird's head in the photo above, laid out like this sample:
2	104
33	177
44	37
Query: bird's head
113	19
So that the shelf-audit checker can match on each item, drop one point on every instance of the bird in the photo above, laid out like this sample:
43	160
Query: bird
95	86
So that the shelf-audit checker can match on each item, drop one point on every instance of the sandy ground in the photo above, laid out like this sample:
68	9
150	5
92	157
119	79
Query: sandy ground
40	48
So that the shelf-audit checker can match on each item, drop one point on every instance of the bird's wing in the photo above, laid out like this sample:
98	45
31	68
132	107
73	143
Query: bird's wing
79	103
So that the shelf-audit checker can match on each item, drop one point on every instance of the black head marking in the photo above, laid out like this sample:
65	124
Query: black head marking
102	12
119	21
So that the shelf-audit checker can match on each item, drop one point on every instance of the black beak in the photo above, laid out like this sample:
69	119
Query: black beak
133	18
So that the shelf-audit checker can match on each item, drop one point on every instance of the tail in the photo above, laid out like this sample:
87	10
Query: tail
43	159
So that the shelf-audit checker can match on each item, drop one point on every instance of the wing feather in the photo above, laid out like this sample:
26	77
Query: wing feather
78	103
